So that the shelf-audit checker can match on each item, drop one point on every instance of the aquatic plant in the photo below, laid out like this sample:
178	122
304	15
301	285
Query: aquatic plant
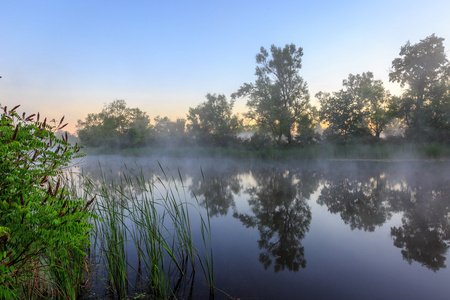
151	219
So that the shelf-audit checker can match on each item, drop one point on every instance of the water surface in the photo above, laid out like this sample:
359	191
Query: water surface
317	230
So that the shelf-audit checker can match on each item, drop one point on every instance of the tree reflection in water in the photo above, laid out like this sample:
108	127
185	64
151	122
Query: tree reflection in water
217	186
364	194
425	233
358	195
367	194
282	218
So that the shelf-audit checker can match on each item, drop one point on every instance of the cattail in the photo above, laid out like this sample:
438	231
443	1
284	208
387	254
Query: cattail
30	118
34	156
49	190
15	132
57	185
88	203
60	122
45	200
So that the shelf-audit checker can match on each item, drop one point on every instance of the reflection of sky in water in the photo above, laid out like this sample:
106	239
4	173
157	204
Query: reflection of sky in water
341	262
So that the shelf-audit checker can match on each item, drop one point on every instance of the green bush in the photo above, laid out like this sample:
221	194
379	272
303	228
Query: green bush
43	229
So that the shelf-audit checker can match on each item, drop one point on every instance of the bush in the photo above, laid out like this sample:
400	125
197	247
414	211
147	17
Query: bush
43	229
260	141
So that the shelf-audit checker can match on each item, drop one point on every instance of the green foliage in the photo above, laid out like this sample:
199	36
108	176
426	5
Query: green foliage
116	125
279	108
357	110
279	98
42	227
259	141
212	121
306	131
425	105
168	132
421	65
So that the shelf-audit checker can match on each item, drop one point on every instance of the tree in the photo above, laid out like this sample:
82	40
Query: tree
371	99
169	132
306	131
212	121
279	98
425	70
438	111
357	110
42	226
115	125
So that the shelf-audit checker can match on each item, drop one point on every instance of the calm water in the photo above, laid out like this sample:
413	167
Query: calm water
318	230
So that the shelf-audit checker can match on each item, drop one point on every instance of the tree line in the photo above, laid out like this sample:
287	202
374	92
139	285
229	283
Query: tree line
280	113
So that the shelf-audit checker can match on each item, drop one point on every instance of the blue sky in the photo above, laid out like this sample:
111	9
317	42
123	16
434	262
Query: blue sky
71	57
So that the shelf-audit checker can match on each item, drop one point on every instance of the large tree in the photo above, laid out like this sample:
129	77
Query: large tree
278	100
371	98
213	122
357	110
425	70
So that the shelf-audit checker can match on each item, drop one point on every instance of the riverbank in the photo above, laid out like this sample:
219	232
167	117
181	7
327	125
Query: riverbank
434	151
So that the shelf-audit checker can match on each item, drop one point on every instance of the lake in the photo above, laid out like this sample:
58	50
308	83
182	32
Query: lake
313	230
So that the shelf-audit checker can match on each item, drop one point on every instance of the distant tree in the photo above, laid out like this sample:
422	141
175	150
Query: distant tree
378	99
168	131
343	121
138	131
357	110
395	128
438	111
306	131
115	125
213	122
425	70
279	98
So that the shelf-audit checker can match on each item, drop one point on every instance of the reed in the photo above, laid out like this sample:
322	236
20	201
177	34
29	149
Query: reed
151	219
113	235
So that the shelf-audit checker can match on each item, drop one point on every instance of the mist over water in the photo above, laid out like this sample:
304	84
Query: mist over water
315	229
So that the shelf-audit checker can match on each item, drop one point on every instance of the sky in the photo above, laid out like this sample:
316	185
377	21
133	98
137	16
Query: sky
70	58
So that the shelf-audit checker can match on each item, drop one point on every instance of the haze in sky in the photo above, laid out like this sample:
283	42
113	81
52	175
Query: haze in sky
71	57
